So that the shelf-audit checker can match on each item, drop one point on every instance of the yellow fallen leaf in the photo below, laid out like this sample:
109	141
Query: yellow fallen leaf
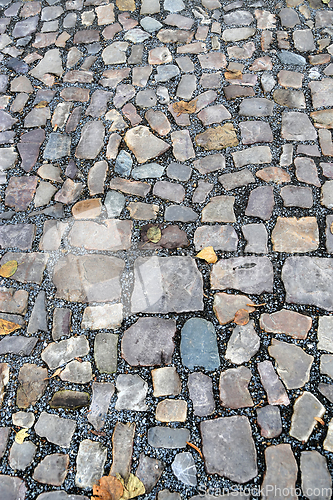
7	270
208	255
7	327
132	488
154	234
21	435
41	104
242	317
108	488
181	107
56	373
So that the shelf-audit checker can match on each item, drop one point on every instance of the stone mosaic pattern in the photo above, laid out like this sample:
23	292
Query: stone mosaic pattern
135	134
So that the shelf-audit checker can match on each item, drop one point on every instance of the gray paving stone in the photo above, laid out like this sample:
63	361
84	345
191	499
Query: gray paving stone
281	468
200	387
293	363
58	353
102	393
132	391
90	462
243	344
228	448
303	421
315	475
198	345
105	352
276	393
165	437
52	469
269	421
55	429
166	381
149	471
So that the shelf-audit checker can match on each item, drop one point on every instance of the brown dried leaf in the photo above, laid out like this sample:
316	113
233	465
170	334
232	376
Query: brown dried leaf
242	317
7	327
132	488
8	269
208	255
181	107
41	104
320	420
108	488
154	234
56	373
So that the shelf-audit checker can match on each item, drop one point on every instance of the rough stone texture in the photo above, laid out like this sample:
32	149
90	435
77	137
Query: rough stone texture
315	475
200	387
90	462
306	409
243	344
177	288
149	342
294	235
293	363
269	421
233	387
281	469
55	429
122	449
228	448
276	393
285	321
132	391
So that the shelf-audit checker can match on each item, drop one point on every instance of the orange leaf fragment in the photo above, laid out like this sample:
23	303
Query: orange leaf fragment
320	420
7	327
195	448
108	488
181	107
233	75
7	270
208	255
242	317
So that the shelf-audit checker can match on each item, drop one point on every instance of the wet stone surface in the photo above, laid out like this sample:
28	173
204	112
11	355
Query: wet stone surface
166	238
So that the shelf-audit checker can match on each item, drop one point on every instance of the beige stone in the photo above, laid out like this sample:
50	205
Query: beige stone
142	211
87	209
295	235
218	137
171	410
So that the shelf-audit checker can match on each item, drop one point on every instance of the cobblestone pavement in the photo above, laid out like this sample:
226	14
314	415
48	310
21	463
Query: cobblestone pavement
166	191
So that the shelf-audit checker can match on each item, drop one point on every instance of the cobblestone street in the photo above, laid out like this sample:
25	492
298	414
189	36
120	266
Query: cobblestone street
166	240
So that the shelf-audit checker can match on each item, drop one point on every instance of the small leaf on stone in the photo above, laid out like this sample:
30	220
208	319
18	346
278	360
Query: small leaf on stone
8	269
41	104
208	255
154	234
326	1
132	488
7	327
56	373
184	107
21	435
108	488
242	317
233	75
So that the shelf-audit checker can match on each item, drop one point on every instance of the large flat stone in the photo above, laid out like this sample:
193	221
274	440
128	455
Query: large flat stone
307	280
111	235
166	284
247	274
285	321
315	475
303	421
281	472
293	363
228	448
149	342
88	278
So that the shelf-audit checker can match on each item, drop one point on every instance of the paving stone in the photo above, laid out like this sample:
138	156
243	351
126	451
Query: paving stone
88	278
12	488
255	131
269	421
23	419
122	449
114	203
256	106
293	363
70	400
19	236
90	462
217	138
243	344
220	237
295	235
132	391
113	235
303	421
178	171
21	346
32	383
169	191
306	171
297	196
297	127
281	468
285	321
20	192
289	98
165	437
326	365
276	393
236	179
22	455
306	280
198	345
105	352
256	237
219	209
149	342
328	443
136	139
159	296
261	202
4	436
4	379
233	388
273	174
55	429
228	448
210	163
58	353
135	188
171	410
255	155
315	474
200	388
166	382
184	468
149	471
247	274
102	393
77	372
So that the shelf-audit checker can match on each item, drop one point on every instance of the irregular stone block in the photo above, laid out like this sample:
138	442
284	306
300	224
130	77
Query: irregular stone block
88	278
149	471
220	237
168	438
219	209
281	470
149	342
269	421
32	383
105	352
12	488
233	388
315	475
303	421
58	353
90	462
285	321
108	316
70	400
171	410
165	284
294	235
166	382
122	449
102	393
198	345
200	387
55	429
132	391
293	363
261	203
228	448
52	469
184	468
243	344
276	393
